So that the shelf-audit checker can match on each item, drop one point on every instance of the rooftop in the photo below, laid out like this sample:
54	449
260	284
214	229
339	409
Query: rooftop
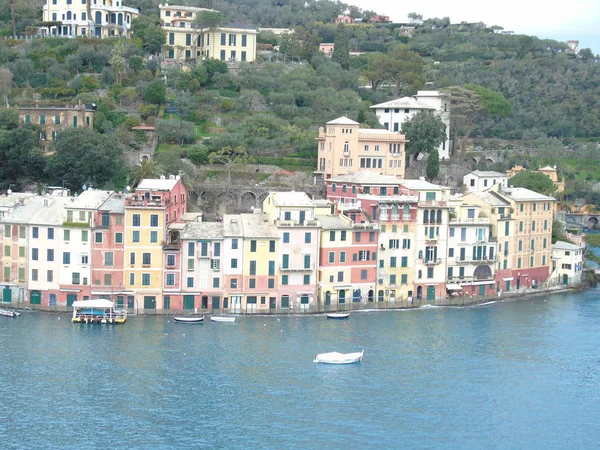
487	173
403	103
491	198
89	199
114	204
157	184
202	230
342	121
367	177
562	245
291	198
184	8
422	185
333	223
232	225
522	194
257	225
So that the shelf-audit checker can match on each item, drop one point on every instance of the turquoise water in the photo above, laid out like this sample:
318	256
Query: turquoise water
520	375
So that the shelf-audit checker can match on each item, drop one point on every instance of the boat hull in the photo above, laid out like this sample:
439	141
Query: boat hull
339	358
189	319
338	315
223	319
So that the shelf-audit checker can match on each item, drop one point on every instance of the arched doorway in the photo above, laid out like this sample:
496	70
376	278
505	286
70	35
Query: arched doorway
356	296
419	292
204	302
342	296
380	296
430	292
483	273
327	298
371	295
592	223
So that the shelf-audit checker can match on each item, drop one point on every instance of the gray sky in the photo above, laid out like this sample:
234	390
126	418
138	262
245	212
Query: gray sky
552	19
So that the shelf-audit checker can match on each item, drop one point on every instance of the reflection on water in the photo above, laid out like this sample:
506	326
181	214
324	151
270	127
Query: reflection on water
512	374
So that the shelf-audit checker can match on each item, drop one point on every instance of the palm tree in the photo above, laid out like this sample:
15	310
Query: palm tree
148	168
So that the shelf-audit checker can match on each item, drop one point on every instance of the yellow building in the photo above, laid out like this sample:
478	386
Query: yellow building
188	42
346	148
550	172
88	18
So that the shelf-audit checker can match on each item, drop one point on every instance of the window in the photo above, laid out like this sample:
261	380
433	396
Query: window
108	259
393	280
285	262
50	255
84	259
66	258
67	235
342	257
50	233
84	235
190	282
233	283
244	40
171	38
284	280
154	220
34	254
331	257
307	261
50	276
404	261
154	236
253	246
135	237
21	252
332	236
35	232
252	267
306	279
170	260
271	268
107	279
234	263
286	238
118	238
215	282
132	258
34	275
363	274
75	278
132	279
146	259
357	236
307	238
145	279
271	246
98	237
170	279
393	261
136	220
430	272
7	250
234	244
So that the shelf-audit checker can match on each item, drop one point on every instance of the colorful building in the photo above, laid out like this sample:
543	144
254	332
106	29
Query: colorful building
233	261
344	147
186	41
88	18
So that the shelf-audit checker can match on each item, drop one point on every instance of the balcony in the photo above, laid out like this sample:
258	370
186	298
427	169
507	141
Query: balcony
297	223
297	269
472	221
431	261
206	255
471	260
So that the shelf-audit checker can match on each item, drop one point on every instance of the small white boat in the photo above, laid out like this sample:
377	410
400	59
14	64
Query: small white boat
187	319
99	310
222	319
339	358
338	315
9	313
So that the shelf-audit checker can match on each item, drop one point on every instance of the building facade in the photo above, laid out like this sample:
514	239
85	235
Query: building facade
395	112
344	147
568	263
481	180
188	42
88	18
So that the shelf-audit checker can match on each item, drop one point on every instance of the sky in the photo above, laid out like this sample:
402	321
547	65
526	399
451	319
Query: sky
547	19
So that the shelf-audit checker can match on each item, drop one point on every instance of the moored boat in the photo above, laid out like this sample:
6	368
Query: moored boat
338	315
222	319
188	319
9	313
339	358
99	310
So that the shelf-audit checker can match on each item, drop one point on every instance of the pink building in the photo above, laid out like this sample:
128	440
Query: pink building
327	49
379	19
343	18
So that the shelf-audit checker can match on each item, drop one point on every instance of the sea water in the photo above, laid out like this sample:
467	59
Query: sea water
522	374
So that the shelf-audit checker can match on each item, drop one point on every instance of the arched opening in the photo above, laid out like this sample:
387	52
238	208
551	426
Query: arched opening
425	216
439	216
489	160
419	292
327	298
248	199
342	296
204	302
98	19
356	296
483	272
592	223
371	295
406	212
380	296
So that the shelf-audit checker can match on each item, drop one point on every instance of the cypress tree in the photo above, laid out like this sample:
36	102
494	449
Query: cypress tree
341	52
433	164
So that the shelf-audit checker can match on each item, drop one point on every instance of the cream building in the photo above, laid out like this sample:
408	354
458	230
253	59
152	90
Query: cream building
89	18
568	263
188	42
344	148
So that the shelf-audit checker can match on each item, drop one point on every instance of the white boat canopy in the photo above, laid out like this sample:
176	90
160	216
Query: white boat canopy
97	303
453	287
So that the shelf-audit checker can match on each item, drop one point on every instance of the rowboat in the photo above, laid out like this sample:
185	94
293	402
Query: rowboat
9	313
222	319
189	319
339	358
338	315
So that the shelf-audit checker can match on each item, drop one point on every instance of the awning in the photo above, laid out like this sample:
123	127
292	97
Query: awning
69	290
508	279
479	283
453	287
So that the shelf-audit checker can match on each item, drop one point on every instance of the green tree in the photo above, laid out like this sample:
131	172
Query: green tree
433	165
378	70
230	157
213	67
6	79
146	169
425	132
21	158
406	70
341	51
155	92
148	29
535	181
82	156
205	20
179	131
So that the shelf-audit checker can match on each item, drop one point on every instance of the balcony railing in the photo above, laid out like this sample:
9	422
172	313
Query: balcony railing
431	261
297	269
473	221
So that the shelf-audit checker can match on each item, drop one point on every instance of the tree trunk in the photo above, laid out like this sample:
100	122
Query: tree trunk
463	149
